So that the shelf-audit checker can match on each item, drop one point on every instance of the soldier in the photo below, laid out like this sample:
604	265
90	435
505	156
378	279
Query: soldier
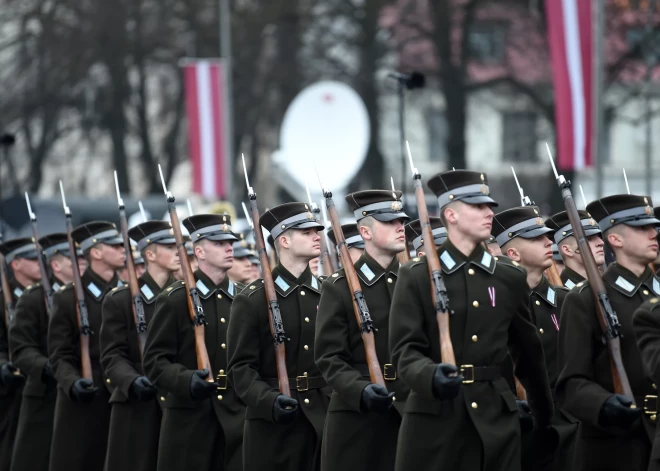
82	412
136	414
192	260
281	432
353	238
30	353
416	239
138	262
21	259
256	264
202	426
574	272
523	237
360	416
610	436
493	247
241	272
556	258
465	416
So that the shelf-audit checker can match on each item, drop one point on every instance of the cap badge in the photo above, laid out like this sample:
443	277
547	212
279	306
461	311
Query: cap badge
397	206
539	221
243	243
592	221
310	215
225	227
648	210
224	218
483	184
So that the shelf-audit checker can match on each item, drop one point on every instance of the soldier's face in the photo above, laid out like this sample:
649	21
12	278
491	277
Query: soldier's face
113	255
314	265
472	220
387	236
28	268
255	273
62	268
305	243
241	270
639	243
167	257
535	253
217	253
597	249
140	269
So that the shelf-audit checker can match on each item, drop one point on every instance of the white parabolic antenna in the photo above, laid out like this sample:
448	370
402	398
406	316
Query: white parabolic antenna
328	123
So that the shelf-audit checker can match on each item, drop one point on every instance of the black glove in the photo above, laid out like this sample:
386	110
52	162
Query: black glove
201	389
47	374
616	412
375	398
285	409
10	375
444	385
525	416
84	390
142	388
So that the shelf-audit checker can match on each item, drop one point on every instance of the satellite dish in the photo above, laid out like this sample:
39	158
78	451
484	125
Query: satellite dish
327	123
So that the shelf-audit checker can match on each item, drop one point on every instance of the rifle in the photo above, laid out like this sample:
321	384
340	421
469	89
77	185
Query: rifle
438	288
81	305
360	307
325	260
405	255
195	309
274	315
607	318
137	306
552	273
45	279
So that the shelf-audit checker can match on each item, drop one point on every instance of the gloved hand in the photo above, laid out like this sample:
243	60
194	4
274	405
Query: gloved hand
444	385
10	375
142	388
525	416
84	390
47	374
376	398
616	412
201	389
285	410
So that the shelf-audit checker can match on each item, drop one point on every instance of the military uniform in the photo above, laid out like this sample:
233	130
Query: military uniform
489	302
81	429
415	236
561	225
134	423
252	362
585	383
30	353
203	434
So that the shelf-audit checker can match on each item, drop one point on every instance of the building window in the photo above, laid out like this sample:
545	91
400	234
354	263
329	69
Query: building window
519	136
436	120
487	41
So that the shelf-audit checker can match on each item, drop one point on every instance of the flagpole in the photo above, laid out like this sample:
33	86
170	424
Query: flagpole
598	122
224	24
650	62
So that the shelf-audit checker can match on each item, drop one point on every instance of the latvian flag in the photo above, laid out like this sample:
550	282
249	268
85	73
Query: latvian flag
206	111
570	36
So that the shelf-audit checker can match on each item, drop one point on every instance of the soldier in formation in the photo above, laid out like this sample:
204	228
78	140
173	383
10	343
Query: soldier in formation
353	238
416	239
242	271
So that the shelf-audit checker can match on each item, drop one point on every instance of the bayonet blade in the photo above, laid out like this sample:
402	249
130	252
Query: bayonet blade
119	200
33	216
552	162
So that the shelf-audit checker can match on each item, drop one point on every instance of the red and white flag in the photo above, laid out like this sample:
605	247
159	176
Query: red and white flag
570	34
207	115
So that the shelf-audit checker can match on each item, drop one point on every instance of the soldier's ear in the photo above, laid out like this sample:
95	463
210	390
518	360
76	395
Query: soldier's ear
513	254
365	232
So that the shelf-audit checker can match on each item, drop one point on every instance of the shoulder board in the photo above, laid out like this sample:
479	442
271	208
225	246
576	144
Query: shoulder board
417	261
560	288
654	303
173	287
116	289
339	274
253	287
506	261
581	286
67	287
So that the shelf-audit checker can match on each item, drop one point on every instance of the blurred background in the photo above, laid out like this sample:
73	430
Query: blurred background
89	87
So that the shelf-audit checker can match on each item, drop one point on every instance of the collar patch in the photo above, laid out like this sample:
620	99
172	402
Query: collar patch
147	292
315	284
92	288
447	260
279	281
569	284
625	284
202	287
367	272
18	292
551	295
656	286
486	259
120	283
56	286
230	288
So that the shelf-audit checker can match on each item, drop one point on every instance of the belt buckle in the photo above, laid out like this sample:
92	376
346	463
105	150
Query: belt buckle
299	379
465	368
389	372
221	379
650	410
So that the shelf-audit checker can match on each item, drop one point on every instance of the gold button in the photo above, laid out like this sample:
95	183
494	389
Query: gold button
302	293
220	398
475	303
541	330
646	292
107	380
306	401
219	296
306	347
654	386
496	258
389	280
475	405
653	417
393	398
223	346
162	398
222	372
222	319
538	303
471	271
306	319
475	338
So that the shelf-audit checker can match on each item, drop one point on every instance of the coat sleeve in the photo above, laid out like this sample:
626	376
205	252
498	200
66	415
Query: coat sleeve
162	345
526	351
114	339
577	391
409	333
24	340
331	345
646	324
243	352
63	340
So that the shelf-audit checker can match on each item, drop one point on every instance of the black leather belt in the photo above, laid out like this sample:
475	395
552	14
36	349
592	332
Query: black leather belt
389	372
473	373
301	383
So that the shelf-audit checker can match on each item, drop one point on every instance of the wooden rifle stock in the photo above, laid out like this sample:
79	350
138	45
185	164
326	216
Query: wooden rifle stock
360	308
553	275
607	318
438	289
195	309
274	315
